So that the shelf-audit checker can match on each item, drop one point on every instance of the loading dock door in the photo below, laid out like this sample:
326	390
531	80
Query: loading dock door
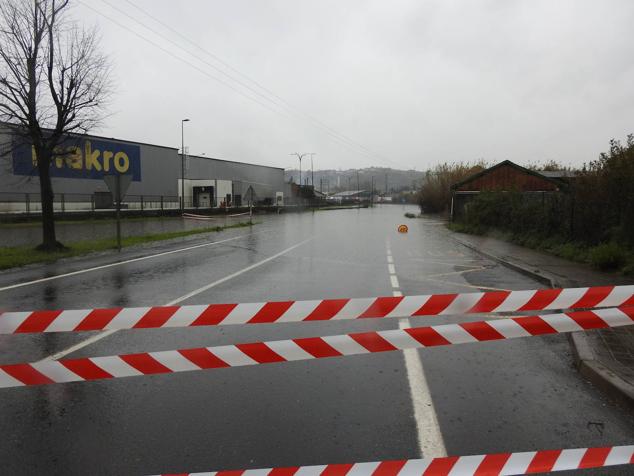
204	200
203	196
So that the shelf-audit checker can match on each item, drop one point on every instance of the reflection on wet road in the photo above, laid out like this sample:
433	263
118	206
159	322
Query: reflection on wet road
505	396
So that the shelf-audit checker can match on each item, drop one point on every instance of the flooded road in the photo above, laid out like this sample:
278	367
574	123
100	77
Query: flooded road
516	395
17	234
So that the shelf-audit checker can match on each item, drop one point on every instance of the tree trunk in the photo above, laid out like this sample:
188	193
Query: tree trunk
49	240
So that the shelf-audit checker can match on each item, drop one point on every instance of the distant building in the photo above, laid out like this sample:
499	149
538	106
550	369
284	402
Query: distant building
350	196
78	172
507	177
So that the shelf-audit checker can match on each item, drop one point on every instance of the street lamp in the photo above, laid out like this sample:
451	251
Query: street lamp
312	172
300	157
183	121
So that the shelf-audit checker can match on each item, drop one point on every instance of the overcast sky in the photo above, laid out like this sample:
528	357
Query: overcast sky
412	82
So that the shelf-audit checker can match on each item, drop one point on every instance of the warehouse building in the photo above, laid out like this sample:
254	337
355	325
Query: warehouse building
78	176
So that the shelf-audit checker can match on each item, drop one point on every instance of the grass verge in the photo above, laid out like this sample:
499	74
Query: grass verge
604	256
11	257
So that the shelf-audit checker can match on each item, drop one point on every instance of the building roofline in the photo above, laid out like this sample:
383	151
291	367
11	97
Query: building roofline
559	183
74	134
235	162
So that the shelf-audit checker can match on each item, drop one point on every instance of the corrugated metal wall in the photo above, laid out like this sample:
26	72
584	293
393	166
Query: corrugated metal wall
160	170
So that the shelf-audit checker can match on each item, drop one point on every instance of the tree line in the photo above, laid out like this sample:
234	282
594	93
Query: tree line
592	219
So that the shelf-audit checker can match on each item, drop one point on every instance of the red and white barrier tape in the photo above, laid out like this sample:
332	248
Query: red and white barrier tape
319	310
210	217
95	368
529	462
203	218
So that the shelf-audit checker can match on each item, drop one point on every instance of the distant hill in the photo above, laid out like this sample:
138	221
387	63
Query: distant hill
392	180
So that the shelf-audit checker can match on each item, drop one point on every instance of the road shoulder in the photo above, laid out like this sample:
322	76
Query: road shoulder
595	358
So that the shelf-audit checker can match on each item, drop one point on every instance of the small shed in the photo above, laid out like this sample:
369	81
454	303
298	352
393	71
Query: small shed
506	177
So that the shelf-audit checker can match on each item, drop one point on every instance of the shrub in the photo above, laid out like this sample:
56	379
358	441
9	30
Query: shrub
410	215
435	194
607	256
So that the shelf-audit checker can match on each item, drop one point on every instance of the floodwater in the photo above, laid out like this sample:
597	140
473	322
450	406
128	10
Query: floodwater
20	234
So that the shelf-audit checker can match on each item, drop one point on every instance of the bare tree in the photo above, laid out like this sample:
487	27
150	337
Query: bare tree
53	81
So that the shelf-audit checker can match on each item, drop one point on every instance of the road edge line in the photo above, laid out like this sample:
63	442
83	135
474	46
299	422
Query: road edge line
104	334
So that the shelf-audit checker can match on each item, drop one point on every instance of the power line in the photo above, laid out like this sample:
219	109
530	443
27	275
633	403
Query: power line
334	134
119	24
227	65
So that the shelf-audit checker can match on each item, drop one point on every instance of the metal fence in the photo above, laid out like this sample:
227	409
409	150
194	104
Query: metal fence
81	202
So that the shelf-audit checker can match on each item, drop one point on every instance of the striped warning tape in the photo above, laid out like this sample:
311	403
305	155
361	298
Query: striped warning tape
318	310
193	216
199	218
529	462
171	361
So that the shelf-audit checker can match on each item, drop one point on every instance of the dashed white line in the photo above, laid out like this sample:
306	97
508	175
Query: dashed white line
102	335
430	440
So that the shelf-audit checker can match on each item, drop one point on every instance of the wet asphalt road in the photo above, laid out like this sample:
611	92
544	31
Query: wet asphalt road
518	395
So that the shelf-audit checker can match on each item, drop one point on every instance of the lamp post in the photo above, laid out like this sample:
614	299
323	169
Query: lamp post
312	172
183	121
300	157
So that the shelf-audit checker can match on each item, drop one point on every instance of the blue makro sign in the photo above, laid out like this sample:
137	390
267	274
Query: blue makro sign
83	158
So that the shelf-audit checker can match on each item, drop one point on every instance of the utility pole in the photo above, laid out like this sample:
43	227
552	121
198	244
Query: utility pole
183	121
372	193
321	181
385	184
312	172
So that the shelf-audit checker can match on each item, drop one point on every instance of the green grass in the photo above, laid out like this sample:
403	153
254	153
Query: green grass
605	256
13	256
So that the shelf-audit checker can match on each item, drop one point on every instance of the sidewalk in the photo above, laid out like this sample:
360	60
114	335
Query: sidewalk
606	357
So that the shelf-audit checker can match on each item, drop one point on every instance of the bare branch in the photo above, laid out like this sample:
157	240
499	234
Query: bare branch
53	81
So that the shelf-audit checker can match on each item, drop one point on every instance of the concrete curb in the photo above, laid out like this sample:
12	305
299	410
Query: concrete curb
599	374
520	269
585	361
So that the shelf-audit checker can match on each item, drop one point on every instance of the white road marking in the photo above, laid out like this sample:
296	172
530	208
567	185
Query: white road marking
102	335
118	263
391	269
451	273
430	440
470	286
